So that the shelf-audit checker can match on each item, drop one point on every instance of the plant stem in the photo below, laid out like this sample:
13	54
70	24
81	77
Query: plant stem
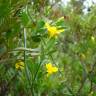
26	70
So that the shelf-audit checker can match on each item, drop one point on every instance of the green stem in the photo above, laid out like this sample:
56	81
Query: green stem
36	73
26	71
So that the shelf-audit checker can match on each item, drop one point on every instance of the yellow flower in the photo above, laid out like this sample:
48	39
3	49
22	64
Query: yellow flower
19	65
53	30
51	69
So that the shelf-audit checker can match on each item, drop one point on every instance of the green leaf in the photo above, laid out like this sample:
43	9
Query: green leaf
24	19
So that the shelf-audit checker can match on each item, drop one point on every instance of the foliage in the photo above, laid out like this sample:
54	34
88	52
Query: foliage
54	60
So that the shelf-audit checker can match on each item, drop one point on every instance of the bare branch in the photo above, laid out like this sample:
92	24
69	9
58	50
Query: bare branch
27	49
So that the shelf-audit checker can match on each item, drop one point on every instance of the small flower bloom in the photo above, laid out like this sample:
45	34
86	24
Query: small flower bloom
19	65
51	69
53	30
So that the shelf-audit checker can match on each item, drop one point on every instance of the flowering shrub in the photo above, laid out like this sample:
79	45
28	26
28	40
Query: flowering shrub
47	49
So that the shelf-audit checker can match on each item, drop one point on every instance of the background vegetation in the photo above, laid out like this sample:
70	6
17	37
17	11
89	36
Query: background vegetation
24	38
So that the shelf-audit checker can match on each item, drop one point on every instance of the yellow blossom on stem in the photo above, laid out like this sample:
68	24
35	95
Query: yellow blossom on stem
53	31
19	65
51	69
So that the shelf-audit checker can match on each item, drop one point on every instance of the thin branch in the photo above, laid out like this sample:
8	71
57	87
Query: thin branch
26	49
84	80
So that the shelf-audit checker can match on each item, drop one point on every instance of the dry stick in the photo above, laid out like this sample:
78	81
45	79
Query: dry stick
33	52
27	49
